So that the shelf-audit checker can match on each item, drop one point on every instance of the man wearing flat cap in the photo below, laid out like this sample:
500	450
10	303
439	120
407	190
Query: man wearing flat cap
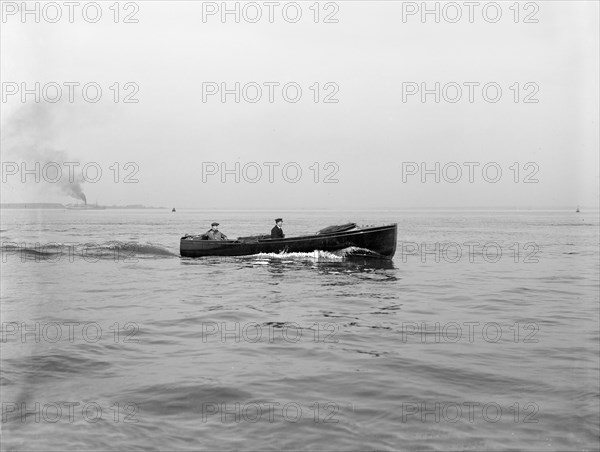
213	233
277	232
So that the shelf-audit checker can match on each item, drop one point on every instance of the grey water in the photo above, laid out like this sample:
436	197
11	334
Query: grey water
481	334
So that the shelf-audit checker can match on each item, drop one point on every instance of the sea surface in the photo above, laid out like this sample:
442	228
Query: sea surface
481	334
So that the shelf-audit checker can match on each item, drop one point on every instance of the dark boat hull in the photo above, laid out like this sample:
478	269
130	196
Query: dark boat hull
380	240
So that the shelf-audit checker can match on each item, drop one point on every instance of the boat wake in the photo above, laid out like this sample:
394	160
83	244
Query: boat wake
355	251
318	256
91	252
322	256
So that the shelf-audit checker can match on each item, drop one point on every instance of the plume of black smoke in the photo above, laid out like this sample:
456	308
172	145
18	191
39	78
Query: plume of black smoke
27	136
72	189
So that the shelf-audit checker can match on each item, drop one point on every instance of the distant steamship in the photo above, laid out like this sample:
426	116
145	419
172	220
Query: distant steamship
84	206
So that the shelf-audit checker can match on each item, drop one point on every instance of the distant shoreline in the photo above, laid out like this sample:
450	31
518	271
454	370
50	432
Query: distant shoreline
48	205
42	205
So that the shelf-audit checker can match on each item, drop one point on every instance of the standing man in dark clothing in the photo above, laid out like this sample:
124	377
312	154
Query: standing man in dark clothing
277	232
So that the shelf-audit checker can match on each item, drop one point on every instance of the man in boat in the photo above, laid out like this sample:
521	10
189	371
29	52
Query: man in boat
213	233
277	232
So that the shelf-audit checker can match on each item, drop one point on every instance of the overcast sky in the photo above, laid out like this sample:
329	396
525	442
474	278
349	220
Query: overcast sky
371	59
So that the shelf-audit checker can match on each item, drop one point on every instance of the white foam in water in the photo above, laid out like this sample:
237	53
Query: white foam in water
316	255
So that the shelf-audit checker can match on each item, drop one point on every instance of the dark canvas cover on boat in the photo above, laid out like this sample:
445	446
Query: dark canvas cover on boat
337	228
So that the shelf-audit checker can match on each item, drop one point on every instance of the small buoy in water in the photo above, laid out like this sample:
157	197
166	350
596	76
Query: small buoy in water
173	210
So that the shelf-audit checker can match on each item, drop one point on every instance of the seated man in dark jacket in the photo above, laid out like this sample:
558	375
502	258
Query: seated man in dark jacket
213	233
277	232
